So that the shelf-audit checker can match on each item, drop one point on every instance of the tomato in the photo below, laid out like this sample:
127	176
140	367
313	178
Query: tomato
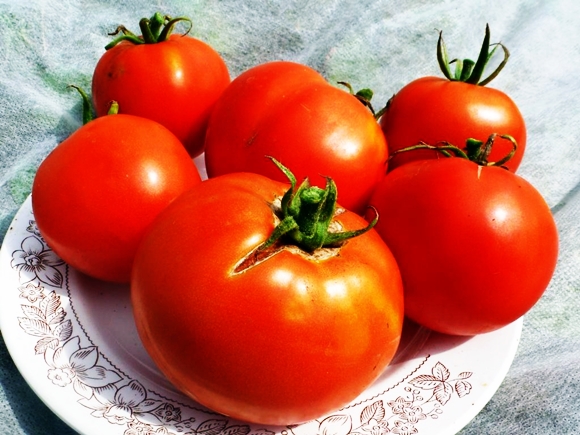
451	109
289	111
476	245
174	81
98	190
275	336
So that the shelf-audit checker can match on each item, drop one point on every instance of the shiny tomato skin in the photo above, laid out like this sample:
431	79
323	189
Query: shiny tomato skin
290	112
175	82
282	342
98	190
434	109
477	246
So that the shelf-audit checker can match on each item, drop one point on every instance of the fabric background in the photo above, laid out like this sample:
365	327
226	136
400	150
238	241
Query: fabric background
47	45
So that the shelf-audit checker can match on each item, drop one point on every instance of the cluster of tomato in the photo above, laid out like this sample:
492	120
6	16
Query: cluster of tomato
275	291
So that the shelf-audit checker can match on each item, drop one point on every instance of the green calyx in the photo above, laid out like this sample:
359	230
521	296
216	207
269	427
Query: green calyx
467	70
306	213
478	151
156	29
88	114
364	96
475	150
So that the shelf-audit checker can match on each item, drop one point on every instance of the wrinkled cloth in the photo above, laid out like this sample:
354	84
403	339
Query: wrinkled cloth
379	44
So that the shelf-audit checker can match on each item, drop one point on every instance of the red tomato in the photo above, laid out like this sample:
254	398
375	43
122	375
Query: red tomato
175	82
285	340
289	111
433	109
97	191
477	246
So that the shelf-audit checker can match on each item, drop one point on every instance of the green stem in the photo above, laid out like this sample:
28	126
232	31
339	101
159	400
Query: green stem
443	57
364	96
88	115
493	75
146	32
445	148
479	151
154	30
125	35
306	214
382	111
475	150
113	108
467	70
170	26
337	238
156	25
475	76
87	106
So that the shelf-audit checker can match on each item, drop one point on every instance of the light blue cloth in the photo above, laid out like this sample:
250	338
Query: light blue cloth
46	45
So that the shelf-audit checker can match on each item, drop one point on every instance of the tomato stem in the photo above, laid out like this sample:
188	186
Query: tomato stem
306	213
156	29
125	35
155	25
88	115
467	70
364	96
475	150
445	148
146	31
113	108
478	151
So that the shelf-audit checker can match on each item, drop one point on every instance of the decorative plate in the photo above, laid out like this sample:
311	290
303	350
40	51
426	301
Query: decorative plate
74	341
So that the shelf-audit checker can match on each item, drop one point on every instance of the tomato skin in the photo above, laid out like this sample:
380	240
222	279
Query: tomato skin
290	112
98	190
477	246
175	82
282	342
434	109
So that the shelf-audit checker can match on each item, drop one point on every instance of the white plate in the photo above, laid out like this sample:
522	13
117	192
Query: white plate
74	341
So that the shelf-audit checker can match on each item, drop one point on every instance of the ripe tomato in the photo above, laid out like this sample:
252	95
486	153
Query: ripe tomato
280	339
174	80
98	190
477	246
289	111
452	109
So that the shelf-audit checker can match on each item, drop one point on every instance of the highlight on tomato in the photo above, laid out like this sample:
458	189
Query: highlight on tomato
169	78
289	111
95	194
265	301
453	109
476	244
